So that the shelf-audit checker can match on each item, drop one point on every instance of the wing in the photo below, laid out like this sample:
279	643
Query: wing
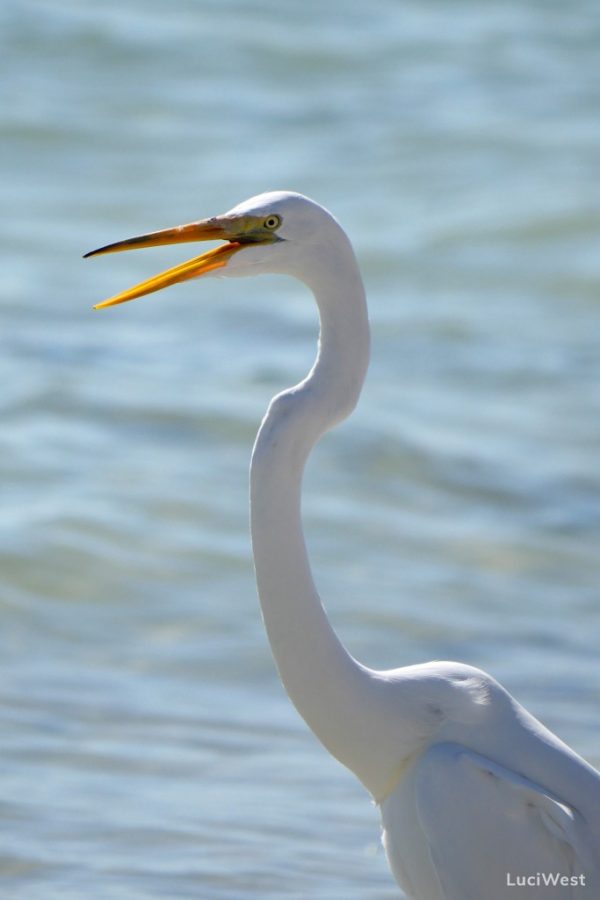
488	828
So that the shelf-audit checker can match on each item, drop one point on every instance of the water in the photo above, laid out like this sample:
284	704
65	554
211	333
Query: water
148	749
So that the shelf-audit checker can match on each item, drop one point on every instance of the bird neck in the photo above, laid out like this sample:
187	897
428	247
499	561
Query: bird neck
318	673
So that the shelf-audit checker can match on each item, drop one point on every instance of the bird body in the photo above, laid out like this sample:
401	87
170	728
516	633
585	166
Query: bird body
473	790
491	796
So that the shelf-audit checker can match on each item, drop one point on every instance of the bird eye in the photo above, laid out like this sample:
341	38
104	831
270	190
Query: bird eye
272	222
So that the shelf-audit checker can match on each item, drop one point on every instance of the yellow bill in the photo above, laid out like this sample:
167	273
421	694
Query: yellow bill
220	228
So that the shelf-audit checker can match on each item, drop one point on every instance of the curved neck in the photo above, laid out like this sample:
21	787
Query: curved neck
319	675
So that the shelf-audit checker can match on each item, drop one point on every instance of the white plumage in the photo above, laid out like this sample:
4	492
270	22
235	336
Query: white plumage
478	800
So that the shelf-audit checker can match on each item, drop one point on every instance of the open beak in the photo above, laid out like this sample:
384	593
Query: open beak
219	228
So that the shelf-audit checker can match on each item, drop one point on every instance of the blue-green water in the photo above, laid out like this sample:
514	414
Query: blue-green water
147	747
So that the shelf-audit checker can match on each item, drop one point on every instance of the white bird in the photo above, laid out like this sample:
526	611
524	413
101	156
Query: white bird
478	800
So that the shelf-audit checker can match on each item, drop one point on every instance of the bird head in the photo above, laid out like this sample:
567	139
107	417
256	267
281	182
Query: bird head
268	233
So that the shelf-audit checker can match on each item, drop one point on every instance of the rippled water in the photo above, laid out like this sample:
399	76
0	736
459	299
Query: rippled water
148	749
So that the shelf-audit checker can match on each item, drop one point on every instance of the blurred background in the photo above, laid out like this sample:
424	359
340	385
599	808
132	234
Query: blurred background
148	748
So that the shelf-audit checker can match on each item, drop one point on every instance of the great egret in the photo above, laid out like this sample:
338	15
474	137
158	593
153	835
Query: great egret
478	800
